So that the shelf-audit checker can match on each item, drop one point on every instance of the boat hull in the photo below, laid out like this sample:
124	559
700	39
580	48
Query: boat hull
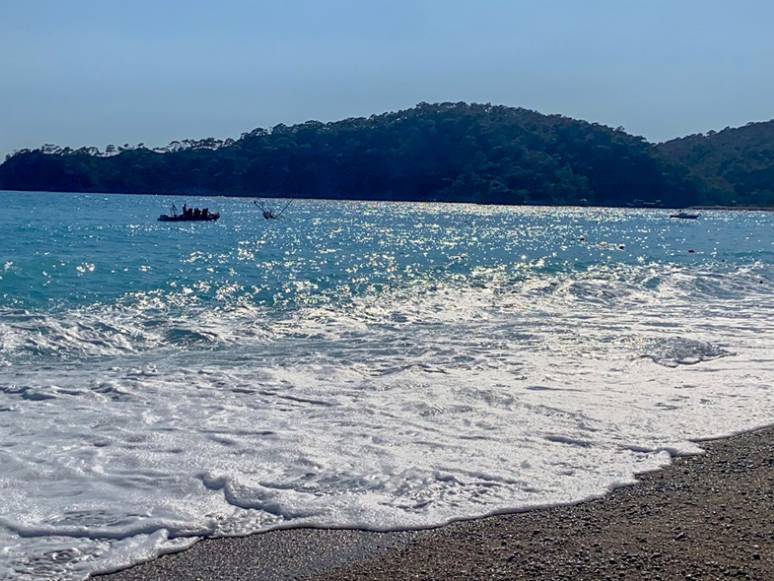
208	218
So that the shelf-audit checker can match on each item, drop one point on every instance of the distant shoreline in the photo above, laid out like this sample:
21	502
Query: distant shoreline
394	200
432	152
735	208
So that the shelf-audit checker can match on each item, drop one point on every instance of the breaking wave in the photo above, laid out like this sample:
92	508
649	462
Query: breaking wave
388	367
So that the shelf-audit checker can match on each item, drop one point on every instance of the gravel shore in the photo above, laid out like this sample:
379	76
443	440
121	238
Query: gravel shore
704	517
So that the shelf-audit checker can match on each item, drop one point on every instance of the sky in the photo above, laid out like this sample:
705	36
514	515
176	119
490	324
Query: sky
94	72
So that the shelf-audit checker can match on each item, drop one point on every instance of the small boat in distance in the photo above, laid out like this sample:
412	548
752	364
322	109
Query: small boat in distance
684	216
268	213
189	215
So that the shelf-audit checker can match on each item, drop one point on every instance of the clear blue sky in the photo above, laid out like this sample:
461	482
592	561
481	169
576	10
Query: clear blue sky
78	72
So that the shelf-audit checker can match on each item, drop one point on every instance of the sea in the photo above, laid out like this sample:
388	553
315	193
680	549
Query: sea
370	365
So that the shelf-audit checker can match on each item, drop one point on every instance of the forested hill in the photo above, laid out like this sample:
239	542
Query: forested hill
737	162
448	152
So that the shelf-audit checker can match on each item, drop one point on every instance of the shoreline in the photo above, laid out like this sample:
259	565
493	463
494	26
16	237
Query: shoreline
705	516
393	200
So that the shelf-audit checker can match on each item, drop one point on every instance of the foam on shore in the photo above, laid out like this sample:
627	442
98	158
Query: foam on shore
409	391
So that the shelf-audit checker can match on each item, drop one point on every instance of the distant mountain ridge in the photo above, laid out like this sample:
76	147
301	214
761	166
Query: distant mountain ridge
738	163
432	152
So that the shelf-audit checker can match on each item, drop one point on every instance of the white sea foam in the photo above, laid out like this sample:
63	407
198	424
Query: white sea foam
132	429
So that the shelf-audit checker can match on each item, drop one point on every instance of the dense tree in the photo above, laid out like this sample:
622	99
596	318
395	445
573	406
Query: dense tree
448	151
738	164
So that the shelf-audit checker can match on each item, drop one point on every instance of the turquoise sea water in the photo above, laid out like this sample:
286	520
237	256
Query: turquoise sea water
61	250
382	365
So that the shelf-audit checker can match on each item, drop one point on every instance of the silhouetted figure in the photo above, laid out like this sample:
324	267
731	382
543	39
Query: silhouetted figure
268	213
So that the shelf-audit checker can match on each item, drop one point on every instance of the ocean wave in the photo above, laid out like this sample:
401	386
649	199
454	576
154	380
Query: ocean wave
411	375
150	321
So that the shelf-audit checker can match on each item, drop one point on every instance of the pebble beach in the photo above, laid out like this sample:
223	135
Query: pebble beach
707	516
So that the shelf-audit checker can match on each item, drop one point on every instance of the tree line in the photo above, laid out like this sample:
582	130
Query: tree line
737	164
457	152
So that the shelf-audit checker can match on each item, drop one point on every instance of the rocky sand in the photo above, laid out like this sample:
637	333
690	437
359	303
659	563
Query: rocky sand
708	516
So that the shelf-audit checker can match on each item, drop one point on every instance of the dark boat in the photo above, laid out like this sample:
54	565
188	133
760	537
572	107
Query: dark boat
181	218
684	216
190	215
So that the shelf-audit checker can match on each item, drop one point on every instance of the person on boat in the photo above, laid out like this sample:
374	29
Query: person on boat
197	213
185	209
205	213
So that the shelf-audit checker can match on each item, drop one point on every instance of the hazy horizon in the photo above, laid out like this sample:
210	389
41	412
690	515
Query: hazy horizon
93	73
